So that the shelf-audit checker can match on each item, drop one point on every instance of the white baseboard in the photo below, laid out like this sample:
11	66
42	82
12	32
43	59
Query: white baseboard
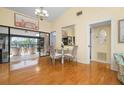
83	62
100	61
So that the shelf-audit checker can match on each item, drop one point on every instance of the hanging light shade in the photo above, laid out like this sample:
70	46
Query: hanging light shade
41	13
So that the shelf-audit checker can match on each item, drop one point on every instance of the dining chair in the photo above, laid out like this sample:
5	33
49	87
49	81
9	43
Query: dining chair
54	55
72	55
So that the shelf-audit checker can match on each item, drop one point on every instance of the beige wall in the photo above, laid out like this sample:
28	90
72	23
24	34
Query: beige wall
97	47
7	19
45	26
81	26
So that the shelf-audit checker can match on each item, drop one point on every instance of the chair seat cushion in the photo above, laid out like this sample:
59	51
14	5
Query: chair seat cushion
68	55
58	55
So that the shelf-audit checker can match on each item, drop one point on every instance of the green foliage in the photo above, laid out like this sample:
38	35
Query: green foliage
26	43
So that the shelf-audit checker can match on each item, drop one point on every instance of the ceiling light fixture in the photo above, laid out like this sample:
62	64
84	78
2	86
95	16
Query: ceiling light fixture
41	13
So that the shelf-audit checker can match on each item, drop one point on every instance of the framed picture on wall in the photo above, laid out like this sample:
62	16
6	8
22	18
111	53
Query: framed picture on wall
121	31
26	22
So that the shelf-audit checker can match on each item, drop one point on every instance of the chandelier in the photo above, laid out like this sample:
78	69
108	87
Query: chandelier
41	13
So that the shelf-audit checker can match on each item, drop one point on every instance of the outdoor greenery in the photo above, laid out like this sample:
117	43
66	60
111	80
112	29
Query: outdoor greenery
26	43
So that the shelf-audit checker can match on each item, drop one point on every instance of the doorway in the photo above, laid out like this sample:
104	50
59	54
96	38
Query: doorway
4	45
100	42
44	44
24	48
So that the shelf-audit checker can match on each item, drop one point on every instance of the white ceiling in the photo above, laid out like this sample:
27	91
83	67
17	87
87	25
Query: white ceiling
54	12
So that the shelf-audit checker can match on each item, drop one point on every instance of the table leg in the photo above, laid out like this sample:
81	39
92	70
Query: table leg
62	60
62	55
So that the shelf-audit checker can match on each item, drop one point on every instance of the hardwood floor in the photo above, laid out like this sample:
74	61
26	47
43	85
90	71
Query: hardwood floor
70	73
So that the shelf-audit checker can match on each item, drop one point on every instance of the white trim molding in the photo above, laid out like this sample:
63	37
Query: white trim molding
113	67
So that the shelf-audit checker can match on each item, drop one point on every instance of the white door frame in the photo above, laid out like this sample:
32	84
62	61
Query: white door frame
112	38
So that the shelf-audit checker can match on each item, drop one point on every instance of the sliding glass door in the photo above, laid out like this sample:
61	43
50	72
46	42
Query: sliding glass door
23	45
24	48
4	48
18	44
